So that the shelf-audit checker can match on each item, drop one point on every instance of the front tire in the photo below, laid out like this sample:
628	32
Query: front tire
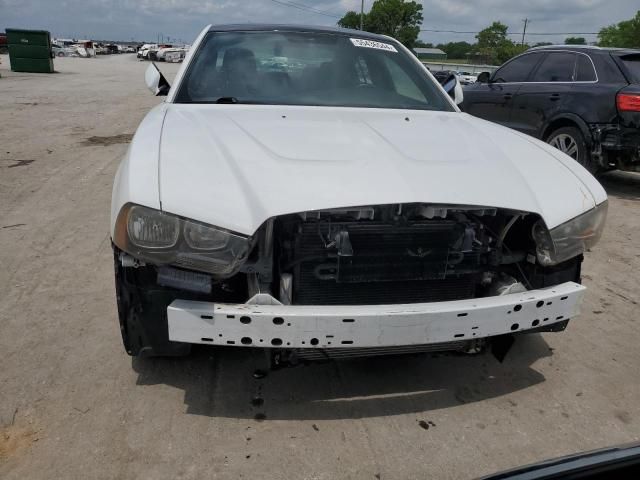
570	141
143	321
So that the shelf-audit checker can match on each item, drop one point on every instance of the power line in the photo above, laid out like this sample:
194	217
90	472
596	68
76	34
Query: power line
556	33
304	8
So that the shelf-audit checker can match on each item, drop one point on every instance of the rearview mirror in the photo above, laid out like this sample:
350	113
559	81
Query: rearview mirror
156	81
452	86
484	77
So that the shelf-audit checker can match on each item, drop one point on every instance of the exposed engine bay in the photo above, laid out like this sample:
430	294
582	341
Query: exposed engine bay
391	254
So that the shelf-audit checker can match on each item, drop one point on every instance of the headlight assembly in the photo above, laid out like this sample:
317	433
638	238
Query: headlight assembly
570	239
161	238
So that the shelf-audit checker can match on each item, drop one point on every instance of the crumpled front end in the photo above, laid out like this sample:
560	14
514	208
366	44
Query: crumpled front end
366	280
616	146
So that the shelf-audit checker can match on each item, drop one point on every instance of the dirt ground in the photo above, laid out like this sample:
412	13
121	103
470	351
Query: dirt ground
74	405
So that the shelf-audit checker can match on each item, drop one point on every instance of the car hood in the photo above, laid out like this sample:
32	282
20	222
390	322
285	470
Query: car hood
234	166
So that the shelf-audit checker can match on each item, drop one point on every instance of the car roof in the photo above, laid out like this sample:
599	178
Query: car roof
270	27
589	48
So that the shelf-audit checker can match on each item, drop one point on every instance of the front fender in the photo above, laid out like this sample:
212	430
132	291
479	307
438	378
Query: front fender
136	180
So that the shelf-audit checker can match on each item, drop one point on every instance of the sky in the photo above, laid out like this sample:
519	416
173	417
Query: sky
182	20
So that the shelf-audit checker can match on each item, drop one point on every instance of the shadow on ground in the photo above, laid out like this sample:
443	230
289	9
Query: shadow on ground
219	382
624	185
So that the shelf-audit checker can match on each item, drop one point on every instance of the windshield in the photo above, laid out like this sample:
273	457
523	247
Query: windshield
292	68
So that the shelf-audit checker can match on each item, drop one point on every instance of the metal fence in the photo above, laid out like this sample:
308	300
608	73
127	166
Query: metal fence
460	67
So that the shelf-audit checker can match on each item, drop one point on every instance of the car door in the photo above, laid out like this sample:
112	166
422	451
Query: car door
546	93
493	101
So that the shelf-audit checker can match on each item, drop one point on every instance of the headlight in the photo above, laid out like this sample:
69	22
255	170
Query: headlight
571	238
161	238
152	229
203	237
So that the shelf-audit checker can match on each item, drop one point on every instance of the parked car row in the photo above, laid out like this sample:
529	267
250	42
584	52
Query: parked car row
110	49
583	100
87	49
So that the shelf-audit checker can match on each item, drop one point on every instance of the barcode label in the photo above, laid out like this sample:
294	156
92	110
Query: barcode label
359	42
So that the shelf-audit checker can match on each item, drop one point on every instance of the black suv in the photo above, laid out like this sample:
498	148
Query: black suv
583	100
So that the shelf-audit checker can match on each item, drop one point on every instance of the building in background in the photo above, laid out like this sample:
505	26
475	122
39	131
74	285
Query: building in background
430	54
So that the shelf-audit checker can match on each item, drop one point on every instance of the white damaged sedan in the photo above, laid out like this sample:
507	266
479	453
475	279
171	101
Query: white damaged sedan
315	192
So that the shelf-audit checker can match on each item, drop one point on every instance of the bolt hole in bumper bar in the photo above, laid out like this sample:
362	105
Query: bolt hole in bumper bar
352	326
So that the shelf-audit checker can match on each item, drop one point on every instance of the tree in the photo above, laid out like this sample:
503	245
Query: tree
400	19
493	36
575	41
508	50
493	45
456	50
351	19
625	34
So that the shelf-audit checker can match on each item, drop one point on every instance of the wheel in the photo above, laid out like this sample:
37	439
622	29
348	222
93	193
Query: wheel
570	141
61	54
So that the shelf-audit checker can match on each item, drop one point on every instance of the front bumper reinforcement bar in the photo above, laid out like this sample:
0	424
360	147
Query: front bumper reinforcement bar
309	326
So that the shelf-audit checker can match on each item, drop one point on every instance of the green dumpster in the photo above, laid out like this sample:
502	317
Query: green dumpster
29	50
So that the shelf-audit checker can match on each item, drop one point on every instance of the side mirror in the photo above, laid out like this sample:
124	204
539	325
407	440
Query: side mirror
452	86
156	81
484	77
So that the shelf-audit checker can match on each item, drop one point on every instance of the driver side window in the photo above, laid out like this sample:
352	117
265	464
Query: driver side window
518	69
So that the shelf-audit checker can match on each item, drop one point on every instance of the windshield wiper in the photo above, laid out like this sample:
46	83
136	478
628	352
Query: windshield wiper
227	100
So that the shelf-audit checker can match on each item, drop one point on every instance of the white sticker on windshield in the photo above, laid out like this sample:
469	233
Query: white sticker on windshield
359	42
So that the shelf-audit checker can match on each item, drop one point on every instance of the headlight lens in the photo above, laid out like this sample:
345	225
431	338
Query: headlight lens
148	228
203	237
571	238
161	238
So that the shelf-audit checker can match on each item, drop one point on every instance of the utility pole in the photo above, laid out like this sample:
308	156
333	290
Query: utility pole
526	21
362	15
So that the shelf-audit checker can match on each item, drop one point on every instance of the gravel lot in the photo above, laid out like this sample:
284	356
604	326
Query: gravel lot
74	405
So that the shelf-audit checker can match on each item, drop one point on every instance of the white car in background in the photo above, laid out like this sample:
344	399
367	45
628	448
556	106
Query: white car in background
175	55
339	204
161	52
143	52
60	51
467	78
